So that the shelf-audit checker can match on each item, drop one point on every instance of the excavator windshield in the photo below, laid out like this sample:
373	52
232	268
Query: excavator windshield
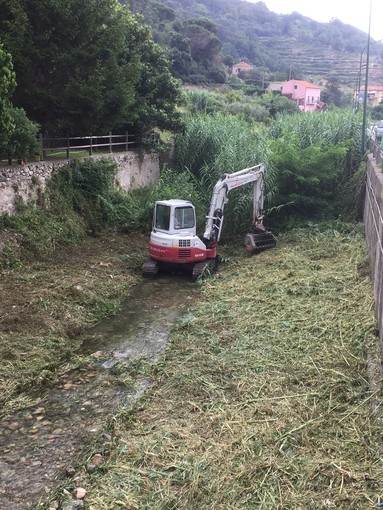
184	217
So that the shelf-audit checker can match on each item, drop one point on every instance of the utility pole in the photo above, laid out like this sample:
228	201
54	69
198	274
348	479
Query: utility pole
366	86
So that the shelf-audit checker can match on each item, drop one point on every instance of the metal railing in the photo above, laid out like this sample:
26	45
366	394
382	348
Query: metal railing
373	222
52	147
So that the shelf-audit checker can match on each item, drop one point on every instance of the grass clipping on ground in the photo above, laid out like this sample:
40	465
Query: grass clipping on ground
262	400
47	304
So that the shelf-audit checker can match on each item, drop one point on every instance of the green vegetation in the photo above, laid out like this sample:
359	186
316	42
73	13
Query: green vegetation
217	144
47	304
241	101
17	132
7	85
22	143
312	164
261	400
85	67
314	158
71	207
270	409
81	200
311	161
280	46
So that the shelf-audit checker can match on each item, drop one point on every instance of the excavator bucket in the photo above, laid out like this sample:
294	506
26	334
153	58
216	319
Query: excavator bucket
259	240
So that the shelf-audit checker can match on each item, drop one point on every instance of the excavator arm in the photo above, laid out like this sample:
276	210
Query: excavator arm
215	215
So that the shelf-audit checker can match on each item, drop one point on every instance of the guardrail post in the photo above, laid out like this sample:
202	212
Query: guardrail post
91	145
110	142
126	141
68	148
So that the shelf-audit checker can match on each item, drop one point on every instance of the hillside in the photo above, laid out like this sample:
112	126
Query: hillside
283	46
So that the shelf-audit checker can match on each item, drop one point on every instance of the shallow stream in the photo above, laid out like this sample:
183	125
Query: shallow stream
39	443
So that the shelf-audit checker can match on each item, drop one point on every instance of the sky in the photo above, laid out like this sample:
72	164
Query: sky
355	13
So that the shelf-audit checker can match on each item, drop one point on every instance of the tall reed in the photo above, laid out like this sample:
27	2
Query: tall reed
216	144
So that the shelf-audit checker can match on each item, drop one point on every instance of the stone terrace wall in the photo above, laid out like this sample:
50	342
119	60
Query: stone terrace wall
28	182
373	221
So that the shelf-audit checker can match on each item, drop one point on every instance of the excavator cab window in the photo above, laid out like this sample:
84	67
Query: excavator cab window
162	217
184	217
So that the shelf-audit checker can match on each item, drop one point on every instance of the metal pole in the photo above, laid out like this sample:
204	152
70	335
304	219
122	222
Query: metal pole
358	84
365	86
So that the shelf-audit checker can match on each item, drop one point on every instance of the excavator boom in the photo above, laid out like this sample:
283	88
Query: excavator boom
259	239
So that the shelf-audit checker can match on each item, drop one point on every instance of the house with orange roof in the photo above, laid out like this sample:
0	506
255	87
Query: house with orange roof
304	93
374	95
241	67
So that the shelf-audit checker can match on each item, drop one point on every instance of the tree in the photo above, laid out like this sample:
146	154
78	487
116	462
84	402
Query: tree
314	156
204	44
7	85
377	112
277	104
331	94
163	12
84	66
18	135
157	92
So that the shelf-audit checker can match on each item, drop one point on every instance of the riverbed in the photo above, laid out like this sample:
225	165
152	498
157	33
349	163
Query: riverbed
41	444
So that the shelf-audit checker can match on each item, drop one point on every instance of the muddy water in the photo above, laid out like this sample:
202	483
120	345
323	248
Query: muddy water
38	444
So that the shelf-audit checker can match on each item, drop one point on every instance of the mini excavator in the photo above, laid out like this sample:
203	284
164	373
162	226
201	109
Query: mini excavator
174	242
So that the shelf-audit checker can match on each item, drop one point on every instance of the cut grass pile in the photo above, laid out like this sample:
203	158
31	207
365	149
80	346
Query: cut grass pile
262	400
47	304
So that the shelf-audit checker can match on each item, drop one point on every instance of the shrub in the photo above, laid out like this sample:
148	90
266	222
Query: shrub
22	142
74	205
314	156
202	101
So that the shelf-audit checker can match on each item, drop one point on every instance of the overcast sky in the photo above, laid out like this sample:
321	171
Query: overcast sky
355	13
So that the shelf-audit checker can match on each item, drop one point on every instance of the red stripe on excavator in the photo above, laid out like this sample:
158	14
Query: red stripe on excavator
178	255
175	255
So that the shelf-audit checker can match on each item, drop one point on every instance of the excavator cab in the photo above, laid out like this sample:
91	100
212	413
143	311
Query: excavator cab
173	240
174	217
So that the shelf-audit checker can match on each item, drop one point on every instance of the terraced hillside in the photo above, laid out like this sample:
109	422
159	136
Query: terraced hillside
282	45
321	62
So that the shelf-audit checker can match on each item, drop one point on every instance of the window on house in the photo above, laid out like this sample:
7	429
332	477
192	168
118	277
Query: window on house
295	87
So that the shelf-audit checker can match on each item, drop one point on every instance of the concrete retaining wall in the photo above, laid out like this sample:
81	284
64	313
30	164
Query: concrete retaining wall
373	221
27	182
